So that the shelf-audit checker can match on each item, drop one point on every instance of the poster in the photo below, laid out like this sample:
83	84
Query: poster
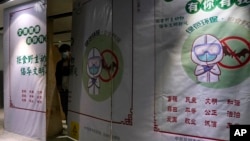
25	70
102	55
202	67
185	69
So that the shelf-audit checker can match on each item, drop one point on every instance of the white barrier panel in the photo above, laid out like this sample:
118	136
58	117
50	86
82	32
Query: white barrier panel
173	70
25	70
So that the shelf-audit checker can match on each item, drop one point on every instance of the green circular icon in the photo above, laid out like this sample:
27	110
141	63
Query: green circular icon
29	40
192	6
242	3
207	5
25	31
19	32
31	30
37	29
225	5
102	67
35	39
41	39
234	67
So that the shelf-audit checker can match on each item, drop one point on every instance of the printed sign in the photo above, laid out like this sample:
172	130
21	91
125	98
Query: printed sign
207	59
25	70
28	61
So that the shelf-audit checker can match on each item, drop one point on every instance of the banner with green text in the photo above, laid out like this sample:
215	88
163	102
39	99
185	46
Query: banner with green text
165	70
25	69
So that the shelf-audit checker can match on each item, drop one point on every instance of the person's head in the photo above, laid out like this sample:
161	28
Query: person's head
64	49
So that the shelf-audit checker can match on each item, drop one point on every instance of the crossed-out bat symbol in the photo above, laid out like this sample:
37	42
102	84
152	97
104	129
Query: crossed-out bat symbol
244	52
111	68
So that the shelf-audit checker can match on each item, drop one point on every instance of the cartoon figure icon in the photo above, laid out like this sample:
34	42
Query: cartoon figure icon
207	51
94	68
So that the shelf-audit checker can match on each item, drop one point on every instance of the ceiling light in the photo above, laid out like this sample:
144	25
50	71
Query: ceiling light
3	1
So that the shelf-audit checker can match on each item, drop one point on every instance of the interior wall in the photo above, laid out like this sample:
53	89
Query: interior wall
1	71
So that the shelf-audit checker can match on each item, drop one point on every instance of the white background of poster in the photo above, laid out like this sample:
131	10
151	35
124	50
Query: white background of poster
199	106
25	101
157	73
83	109
101	25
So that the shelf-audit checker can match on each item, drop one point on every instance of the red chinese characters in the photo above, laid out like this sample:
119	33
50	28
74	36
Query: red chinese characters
32	96
172	118
191	111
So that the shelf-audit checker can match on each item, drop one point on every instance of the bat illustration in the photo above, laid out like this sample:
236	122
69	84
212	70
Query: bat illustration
243	52
107	67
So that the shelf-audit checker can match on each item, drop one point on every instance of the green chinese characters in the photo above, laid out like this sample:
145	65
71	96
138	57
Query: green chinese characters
32	64
194	6
29	31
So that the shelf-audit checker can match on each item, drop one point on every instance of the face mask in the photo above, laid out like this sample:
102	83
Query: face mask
94	69
65	55
207	57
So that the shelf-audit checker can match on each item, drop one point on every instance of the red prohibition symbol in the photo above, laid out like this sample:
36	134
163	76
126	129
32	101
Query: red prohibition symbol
236	56
111	68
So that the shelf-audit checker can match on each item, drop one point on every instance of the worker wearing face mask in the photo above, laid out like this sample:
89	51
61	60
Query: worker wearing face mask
94	68
62	76
207	52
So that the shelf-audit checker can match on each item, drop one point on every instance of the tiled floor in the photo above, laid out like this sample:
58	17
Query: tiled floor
61	138
7	136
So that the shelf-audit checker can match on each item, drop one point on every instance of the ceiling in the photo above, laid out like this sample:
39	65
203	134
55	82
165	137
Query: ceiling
58	10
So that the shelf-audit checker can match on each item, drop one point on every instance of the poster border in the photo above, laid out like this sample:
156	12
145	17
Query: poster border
129	119
11	104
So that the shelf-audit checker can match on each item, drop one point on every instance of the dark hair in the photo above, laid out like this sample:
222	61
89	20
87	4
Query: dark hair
64	48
